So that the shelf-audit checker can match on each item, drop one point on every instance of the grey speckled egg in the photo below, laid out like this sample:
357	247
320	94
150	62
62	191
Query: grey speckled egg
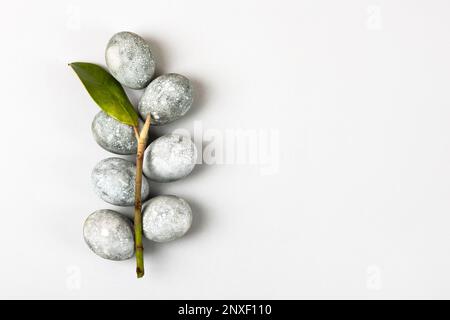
113	135
114	181
109	235
130	60
166	218
167	98
169	158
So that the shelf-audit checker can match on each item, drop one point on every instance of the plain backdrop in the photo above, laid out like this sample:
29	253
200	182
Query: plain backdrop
354	95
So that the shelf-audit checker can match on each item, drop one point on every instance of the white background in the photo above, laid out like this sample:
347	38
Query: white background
358	92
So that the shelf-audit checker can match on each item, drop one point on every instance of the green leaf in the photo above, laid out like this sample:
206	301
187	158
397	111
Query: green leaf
106	92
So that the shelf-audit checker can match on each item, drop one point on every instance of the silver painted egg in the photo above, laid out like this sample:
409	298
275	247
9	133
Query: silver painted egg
169	158
130	60
114	181
109	235
113	135
166	218
166	98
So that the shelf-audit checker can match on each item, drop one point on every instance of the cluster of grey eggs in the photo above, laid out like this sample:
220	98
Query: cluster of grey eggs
108	233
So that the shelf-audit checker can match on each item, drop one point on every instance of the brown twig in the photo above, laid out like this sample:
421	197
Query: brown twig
142	141
136	133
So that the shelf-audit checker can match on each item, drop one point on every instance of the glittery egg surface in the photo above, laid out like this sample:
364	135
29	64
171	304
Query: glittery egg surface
166	218
113	180
130	60
166	98
113	135
109	235
169	158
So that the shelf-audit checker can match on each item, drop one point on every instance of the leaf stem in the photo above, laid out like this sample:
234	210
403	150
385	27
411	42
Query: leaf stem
142	141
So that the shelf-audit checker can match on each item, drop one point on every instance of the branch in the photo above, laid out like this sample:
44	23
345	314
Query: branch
142	141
